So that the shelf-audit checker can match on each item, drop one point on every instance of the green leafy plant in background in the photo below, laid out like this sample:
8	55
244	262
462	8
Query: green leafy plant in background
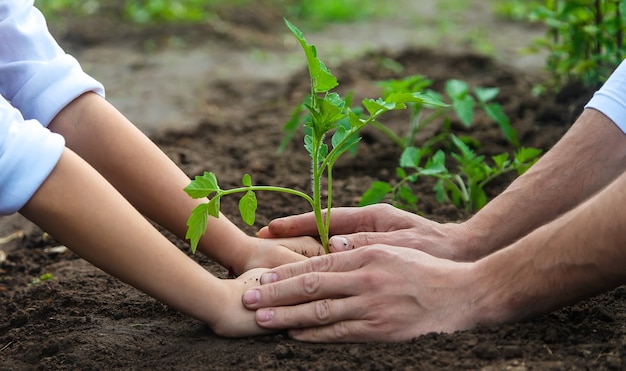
585	39
192	11
463	105
464	188
326	109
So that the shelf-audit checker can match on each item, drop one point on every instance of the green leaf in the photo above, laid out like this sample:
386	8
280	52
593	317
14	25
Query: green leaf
196	225
376	193
407	196
524	155
321	78
378	106
484	95
247	180
496	113
466	151
501	160
202	186
457	89
247	207
464	109
410	157
478	197
213	207
435	164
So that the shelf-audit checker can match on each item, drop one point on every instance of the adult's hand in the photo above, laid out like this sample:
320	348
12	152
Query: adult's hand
375	293
354	227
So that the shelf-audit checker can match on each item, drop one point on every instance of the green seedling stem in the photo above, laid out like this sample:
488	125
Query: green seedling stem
326	110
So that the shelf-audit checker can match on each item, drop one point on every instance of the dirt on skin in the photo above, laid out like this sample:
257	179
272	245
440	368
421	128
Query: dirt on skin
85	319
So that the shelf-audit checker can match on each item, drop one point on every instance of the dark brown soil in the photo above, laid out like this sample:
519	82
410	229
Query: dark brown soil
85	319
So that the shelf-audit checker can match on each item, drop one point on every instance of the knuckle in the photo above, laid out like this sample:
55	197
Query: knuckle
322	311
311	283
342	331
321	263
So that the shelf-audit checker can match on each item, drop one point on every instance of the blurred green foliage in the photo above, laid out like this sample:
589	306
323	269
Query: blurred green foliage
585	39
187	11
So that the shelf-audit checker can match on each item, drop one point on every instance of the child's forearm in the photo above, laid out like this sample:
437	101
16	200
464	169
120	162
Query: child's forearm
590	156
140	171
80	209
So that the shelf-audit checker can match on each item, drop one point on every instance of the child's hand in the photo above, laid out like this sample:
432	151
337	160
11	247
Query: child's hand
270	253
233	319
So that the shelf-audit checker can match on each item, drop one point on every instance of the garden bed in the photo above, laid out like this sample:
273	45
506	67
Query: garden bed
85	319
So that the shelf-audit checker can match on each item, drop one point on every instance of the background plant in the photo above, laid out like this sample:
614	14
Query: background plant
326	109
464	188
585	39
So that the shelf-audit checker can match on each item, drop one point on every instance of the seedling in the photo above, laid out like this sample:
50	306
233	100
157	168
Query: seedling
464	189
43	278
326	109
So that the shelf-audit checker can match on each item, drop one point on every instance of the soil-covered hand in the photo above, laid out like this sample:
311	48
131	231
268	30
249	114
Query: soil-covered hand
379	224
233	319
375	293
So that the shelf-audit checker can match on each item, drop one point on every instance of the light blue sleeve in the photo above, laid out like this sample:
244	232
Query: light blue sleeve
610	99
28	153
36	76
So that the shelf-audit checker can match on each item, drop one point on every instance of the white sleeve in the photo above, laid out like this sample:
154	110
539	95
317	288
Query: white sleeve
611	98
36	76
28	153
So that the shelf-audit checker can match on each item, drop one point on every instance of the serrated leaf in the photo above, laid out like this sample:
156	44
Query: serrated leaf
524	155
501	160
196	225
213	207
378	106
247	207
202	185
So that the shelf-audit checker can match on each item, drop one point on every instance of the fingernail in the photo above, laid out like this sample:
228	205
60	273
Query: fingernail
251	297
339	243
264	315
268	278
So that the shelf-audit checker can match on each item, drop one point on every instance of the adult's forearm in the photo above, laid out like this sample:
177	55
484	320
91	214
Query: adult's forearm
586	159
580	254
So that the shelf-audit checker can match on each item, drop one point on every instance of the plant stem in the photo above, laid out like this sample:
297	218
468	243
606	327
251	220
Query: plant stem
268	188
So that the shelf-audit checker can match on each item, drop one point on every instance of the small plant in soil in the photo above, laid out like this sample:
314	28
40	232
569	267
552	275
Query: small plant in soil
326	110
464	188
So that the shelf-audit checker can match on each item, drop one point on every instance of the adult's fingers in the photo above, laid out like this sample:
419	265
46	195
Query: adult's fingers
356	331
321	277
313	314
